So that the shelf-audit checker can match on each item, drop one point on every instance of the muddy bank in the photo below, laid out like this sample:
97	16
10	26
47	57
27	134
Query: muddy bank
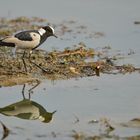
76	61
70	63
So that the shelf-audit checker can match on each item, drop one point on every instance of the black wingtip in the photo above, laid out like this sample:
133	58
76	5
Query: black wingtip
7	44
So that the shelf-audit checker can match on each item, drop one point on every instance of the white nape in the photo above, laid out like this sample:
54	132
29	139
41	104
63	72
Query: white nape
41	31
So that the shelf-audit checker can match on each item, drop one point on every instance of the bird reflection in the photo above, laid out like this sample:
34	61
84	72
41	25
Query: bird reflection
27	109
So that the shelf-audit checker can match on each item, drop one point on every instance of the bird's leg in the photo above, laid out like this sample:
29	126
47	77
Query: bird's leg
30	55
14	52
23	91
31	89
38	66
36	85
35	63
24	63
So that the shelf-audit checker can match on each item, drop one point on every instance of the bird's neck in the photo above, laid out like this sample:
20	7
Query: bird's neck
41	31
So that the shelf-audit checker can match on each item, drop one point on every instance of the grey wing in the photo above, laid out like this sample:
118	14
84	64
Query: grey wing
24	36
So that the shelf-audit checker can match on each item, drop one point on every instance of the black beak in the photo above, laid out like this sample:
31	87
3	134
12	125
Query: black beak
55	35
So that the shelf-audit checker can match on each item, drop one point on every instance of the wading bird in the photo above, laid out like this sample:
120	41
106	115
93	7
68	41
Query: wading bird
28	40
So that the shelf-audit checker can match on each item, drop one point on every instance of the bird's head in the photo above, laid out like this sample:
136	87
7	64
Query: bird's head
49	31
46	117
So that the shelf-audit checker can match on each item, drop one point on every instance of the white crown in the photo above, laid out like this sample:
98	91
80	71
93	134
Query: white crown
52	29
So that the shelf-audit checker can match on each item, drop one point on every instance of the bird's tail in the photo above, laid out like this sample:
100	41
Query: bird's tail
8	44
0	110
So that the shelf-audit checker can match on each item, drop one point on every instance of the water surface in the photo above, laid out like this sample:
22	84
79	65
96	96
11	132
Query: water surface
115	97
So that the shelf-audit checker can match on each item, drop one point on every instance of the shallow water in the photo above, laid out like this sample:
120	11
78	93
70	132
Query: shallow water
115	97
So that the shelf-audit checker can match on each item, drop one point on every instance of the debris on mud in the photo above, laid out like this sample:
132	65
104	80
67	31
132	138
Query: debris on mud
106	128
70	63
77	61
